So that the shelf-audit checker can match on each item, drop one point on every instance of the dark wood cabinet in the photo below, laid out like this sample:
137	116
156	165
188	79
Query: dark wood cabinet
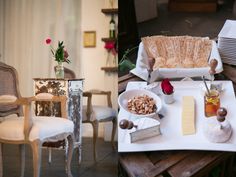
192	5
127	27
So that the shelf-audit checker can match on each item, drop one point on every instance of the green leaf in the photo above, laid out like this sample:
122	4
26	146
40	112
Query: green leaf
126	65
60	44
67	61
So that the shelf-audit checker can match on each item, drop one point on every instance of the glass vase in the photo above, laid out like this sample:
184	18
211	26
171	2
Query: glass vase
59	71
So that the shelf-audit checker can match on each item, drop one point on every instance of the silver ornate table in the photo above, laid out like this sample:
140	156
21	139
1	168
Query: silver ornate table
73	89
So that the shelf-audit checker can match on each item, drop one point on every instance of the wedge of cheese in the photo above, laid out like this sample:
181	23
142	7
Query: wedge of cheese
188	115
147	128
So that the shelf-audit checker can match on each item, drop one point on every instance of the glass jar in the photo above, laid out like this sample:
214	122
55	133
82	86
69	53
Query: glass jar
211	103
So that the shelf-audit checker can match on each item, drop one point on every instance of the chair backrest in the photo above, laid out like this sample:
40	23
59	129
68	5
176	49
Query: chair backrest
9	85
69	74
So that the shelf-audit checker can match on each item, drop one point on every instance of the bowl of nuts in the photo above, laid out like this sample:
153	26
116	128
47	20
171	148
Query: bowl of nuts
140	102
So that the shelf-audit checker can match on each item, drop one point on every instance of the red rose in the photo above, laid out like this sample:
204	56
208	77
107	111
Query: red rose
166	87
48	41
109	45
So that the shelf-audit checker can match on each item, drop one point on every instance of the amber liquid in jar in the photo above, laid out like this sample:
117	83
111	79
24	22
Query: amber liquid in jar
211	103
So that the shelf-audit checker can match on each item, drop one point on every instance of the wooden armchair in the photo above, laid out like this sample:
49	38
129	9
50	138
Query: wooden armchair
94	114
30	129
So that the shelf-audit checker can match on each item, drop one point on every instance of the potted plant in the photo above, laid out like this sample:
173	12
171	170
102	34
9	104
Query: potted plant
60	55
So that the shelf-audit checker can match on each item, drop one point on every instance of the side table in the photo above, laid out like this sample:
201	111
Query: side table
73	89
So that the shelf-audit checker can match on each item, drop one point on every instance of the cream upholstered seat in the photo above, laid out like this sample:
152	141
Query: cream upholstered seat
100	113
94	114
28	129
13	128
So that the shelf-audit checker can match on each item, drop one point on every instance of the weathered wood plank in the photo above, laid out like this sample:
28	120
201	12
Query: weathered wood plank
135	164
123	81
199	164
175	163
169	160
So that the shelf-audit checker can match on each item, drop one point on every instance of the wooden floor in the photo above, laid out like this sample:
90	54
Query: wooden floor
105	167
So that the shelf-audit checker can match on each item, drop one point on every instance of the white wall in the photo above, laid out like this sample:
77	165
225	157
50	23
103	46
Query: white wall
24	26
92	59
1	28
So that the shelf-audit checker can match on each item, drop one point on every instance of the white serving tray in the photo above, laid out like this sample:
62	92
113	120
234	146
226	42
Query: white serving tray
172	138
142	64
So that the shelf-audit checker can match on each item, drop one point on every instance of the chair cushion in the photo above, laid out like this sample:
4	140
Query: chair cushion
43	128
12	129
101	113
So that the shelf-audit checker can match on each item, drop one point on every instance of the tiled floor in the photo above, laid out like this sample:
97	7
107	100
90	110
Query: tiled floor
105	167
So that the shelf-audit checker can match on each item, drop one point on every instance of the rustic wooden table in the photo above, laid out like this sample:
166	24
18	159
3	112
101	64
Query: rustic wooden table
173	163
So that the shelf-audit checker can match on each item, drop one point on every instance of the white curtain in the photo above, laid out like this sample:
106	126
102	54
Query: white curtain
24	27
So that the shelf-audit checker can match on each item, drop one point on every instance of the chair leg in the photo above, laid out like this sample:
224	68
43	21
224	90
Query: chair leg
1	165
22	159
95	136
77	154
37	152
114	126
49	155
71	141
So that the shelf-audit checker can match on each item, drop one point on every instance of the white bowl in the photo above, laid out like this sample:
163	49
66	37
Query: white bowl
130	94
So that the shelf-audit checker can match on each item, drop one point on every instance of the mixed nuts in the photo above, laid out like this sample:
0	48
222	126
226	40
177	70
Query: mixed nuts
142	105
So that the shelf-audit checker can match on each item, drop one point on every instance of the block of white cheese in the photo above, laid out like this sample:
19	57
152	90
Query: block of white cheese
147	128
188	115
